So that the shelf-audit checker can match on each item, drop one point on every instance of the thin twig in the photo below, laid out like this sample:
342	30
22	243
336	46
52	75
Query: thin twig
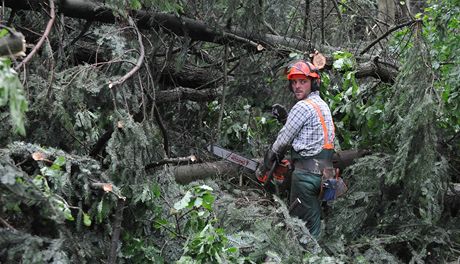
170	230
222	103
42	39
12	15
258	47
85	29
336	6
156	114
5	223
271	29
139	62
51	78
322	23
384	35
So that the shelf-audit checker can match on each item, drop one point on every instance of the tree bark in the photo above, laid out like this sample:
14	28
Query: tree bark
188	173
183	93
386	13
376	69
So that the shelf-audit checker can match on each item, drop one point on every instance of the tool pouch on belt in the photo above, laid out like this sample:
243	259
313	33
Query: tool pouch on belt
332	185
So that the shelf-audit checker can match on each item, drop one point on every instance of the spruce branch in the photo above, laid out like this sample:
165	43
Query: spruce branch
139	62
384	35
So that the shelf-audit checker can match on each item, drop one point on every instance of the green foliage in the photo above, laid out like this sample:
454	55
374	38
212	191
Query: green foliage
357	115
401	192
53	205
343	61
140	250
198	204
12	93
413	111
122	7
208	246
21	247
205	243
244	128
441	25
132	146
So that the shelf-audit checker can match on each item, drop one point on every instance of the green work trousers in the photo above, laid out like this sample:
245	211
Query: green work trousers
306	186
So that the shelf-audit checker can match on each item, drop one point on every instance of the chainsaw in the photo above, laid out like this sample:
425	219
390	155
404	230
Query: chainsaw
278	174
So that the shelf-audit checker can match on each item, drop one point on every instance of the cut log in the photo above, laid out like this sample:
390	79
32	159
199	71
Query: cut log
188	173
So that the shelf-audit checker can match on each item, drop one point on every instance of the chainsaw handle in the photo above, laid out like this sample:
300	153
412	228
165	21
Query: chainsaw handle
270	173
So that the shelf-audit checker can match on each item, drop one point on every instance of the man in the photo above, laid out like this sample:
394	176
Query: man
309	130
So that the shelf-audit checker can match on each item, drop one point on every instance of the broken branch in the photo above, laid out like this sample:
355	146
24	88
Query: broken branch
384	35
42	39
139	62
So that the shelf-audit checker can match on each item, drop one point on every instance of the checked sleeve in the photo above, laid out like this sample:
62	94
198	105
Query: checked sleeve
297	118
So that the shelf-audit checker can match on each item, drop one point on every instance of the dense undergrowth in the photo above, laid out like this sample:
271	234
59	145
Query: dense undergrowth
64	200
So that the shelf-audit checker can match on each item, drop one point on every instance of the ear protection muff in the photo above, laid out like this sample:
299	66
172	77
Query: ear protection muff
298	67
315	82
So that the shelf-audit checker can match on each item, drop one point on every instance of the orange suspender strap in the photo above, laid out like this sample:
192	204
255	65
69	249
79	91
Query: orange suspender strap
327	144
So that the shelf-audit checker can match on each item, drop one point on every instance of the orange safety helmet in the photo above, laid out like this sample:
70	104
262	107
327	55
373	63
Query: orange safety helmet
302	68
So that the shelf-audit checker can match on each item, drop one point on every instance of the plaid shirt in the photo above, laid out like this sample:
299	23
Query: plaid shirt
303	129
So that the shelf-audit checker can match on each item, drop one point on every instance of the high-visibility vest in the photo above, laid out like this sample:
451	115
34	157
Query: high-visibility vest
327	143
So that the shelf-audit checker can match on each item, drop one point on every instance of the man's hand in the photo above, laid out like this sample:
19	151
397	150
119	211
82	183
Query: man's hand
270	158
280	113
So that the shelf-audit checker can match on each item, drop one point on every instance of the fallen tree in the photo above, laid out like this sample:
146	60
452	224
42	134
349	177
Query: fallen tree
187	173
199	31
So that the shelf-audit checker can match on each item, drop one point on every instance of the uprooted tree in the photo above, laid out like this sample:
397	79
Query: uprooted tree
114	102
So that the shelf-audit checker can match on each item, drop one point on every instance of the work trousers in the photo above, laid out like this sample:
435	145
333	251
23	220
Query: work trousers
306	186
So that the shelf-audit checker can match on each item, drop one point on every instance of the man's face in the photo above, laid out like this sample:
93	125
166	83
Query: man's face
301	87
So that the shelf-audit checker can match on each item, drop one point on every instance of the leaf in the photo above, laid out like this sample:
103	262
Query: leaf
60	161
86	220
100	205
184	202
68	214
232	249
135	4
206	187
198	202
155	189
338	64
3	32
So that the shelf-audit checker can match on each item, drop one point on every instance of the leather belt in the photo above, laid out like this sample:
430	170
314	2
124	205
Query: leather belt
315	166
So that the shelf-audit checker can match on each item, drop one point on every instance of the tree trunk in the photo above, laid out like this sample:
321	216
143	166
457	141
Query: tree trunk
387	10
